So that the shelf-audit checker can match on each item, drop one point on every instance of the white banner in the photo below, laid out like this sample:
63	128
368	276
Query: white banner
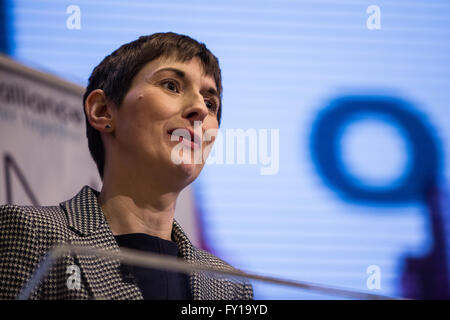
44	153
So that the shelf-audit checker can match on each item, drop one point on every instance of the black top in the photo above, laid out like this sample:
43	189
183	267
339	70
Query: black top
155	284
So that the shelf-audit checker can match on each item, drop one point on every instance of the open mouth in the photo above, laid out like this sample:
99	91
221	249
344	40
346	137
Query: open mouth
192	143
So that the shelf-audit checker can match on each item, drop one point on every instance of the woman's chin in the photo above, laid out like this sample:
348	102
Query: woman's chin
188	170
186	165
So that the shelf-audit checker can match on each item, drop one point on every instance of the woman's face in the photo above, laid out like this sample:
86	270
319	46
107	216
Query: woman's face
165	95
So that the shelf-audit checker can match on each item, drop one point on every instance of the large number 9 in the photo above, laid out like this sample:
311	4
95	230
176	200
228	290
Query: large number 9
425	277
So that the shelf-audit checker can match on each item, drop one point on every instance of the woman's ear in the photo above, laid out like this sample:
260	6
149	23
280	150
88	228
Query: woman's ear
98	111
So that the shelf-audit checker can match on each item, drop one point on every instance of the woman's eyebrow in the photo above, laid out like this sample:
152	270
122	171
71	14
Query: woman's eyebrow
178	72
214	92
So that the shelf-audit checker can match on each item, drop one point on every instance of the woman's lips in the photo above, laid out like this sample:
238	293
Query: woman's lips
190	143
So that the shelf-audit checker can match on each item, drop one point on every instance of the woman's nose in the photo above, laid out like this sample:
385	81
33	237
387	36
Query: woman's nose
196	109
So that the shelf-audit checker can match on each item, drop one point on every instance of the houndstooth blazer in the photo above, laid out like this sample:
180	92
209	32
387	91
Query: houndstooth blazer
28	232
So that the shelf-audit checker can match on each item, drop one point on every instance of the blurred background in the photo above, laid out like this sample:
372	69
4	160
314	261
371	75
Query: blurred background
358	91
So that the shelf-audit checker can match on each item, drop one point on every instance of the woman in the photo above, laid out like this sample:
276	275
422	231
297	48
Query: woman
139	102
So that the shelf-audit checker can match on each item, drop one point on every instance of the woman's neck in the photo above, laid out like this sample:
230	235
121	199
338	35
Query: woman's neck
129	210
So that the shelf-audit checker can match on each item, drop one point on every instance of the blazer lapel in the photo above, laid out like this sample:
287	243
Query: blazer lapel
204	286
103	276
187	252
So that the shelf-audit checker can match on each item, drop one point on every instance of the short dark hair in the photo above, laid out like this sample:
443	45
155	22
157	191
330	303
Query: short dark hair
116	72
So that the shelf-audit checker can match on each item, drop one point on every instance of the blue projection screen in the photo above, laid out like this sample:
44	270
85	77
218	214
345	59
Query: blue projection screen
349	98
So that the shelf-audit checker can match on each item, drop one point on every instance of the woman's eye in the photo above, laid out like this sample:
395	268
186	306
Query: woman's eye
170	85
210	105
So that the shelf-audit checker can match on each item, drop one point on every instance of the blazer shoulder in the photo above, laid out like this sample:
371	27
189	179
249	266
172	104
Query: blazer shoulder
20	250
47	221
239	289
205	257
14	214
26	234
